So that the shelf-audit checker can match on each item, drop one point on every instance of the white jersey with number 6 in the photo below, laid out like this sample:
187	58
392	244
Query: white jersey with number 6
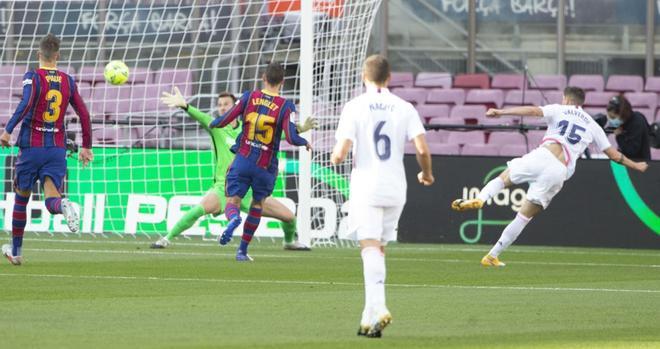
379	124
574	129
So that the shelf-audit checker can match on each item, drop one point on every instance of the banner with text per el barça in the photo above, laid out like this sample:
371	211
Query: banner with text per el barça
602	205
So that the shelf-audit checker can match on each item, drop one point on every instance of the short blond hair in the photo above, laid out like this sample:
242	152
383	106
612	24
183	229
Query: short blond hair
376	69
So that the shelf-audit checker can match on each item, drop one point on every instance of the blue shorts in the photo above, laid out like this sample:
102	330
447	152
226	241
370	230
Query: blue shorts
38	163
243	174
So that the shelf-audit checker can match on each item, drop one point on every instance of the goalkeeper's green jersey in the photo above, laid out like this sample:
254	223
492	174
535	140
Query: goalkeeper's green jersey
223	139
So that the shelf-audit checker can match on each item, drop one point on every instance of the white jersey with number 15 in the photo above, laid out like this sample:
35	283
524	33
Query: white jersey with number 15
379	124
574	129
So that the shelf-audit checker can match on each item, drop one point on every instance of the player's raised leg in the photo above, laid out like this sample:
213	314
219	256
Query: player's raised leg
273	208
56	205
487	192
511	233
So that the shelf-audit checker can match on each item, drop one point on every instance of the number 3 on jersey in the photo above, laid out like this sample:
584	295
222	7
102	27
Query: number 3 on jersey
260	127
573	136
380	138
52	113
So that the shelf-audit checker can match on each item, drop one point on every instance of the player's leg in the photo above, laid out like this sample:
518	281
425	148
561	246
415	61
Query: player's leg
249	228
26	176
487	192
210	204
273	208
51	175
237	184
511	233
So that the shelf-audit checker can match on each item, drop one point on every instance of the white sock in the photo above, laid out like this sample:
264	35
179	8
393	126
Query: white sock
373	261
491	189
510	234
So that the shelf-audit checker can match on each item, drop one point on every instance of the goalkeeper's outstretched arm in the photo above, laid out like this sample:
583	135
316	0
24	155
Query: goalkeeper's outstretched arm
176	100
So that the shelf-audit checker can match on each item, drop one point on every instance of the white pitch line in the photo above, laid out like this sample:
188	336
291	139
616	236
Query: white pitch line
443	248
307	256
330	283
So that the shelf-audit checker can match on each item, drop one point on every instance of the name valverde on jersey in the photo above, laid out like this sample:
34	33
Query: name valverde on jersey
574	129
379	124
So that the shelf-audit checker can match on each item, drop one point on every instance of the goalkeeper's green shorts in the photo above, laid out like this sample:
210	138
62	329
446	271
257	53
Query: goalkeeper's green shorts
219	190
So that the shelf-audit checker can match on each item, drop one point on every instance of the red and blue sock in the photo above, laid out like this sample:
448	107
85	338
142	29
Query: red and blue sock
232	211
250	226
18	223
54	205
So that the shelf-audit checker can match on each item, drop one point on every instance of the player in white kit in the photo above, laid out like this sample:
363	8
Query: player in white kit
376	125
570	131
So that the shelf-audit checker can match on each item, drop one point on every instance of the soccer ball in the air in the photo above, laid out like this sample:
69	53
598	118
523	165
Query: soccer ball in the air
116	73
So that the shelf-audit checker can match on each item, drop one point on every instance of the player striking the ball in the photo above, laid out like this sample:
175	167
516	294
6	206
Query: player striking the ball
377	124
47	92
264	114
546	168
214	200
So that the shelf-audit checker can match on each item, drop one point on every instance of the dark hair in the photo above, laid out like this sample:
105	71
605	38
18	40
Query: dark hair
575	94
49	46
620	106
274	74
376	69
227	94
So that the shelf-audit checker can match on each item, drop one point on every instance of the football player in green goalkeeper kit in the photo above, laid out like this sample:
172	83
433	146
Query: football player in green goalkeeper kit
214	201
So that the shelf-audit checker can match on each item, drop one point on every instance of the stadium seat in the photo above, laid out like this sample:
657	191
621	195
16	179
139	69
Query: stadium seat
515	97
501	121
14	72
441	80
644	102
491	98
106	135
470	137
437	136
468	112
166	79
447	121
401	79
480	150
91	75
598	99
444	149
140	76
625	83
146	98
657	116
415	95
427	112
655	154
446	96
534	138
469	81
508	81
552	97
513	150
593	111
85	91
504	138
652	84
587	82
548	82
110	100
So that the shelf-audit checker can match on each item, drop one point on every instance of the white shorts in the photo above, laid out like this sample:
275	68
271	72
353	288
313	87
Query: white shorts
373	222
544	173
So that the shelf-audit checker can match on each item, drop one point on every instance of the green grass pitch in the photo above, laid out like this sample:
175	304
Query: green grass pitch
83	292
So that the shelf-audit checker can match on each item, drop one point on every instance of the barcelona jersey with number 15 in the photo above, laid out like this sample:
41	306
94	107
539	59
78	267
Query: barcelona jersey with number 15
46	95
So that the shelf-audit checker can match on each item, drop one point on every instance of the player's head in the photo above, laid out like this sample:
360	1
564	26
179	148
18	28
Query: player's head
573	96
226	100
273	76
376	71
49	49
619	110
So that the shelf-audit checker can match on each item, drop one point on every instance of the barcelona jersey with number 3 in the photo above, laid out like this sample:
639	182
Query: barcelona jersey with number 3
264	117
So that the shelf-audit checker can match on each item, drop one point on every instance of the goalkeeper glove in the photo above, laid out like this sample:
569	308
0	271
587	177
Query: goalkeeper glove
174	100
309	124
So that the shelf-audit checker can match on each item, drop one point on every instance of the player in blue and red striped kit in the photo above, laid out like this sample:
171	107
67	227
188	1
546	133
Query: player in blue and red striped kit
47	92
264	114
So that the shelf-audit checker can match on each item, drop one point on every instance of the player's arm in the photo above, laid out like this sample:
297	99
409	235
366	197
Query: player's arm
618	157
176	100
85	123
423	155
516	111
231	114
290	129
21	110
340	151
